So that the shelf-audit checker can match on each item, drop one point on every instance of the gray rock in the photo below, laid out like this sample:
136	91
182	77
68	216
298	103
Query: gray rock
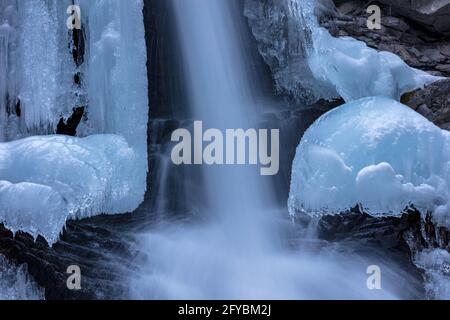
421	48
433	102
431	14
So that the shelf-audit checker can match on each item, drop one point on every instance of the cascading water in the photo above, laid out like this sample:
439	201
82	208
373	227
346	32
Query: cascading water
220	97
240	249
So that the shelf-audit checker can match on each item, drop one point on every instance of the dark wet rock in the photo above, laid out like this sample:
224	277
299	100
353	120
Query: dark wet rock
433	102
403	34
425	233
103	247
69	126
397	239
400	33
431	14
292	123
78	46
384	241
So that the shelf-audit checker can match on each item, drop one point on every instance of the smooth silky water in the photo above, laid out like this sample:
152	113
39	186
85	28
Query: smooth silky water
243	246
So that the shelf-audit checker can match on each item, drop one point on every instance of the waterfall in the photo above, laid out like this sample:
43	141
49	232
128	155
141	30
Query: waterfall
220	96
242	246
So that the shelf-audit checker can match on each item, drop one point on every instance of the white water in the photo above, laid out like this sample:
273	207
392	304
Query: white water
238	253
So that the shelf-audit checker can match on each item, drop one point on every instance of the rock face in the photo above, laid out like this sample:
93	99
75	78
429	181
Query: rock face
383	238
92	245
420	48
431	14
433	102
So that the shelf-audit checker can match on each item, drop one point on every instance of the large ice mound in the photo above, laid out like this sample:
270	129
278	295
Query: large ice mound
375	152
48	179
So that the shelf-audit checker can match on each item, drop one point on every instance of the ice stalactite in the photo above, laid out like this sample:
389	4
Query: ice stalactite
45	76
36	74
352	68
58	77
390	143
8	83
116	76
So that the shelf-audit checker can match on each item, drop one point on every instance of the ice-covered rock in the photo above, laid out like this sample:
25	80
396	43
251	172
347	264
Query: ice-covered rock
375	152
46	180
357	71
431	14
308	63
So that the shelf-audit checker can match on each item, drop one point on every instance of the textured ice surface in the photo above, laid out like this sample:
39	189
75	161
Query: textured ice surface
46	180
357	71
377	152
309	64
117	75
15	283
436	263
36	75
46	72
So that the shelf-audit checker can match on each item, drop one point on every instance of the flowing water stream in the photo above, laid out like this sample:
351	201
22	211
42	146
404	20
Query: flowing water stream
240	249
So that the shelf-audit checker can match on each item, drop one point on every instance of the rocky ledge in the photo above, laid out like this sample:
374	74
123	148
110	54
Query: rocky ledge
97	245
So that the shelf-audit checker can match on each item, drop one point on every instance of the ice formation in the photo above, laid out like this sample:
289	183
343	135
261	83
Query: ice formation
37	71
48	179
15	283
375	152
436	263
309	64
44	180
